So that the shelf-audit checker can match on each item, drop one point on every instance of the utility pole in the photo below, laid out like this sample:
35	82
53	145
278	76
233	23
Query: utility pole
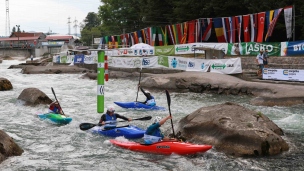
18	30
69	22
7	22
75	26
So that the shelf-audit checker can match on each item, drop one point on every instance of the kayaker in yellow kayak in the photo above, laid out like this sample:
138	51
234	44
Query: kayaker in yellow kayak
153	133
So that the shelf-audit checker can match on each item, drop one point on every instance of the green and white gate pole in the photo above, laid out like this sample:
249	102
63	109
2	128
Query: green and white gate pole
100	82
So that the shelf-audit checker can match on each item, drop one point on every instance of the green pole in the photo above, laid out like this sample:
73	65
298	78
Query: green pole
100	82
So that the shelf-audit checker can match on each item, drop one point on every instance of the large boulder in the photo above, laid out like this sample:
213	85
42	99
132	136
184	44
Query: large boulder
8	147
5	84
64	69
34	96
234	130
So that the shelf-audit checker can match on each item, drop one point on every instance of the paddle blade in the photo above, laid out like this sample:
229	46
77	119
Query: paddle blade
86	126
144	118
168	98
109	128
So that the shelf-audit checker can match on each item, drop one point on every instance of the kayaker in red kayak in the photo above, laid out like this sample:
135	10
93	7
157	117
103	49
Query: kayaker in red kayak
110	116
150	100
55	107
153	134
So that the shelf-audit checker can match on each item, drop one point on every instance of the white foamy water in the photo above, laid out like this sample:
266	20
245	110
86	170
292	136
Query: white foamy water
51	147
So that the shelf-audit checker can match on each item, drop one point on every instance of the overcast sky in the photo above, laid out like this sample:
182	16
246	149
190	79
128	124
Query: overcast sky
45	15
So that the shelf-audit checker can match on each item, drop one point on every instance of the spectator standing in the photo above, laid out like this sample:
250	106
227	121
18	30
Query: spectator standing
259	60
265	58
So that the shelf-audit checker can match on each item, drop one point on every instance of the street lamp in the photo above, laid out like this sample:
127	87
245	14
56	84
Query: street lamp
18	34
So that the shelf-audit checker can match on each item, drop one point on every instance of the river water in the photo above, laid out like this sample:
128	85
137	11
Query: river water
51	147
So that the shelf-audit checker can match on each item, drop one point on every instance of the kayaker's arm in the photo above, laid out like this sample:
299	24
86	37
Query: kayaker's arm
161	122
102	119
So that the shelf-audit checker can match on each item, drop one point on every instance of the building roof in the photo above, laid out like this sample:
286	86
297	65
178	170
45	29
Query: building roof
26	34
18	38
61	37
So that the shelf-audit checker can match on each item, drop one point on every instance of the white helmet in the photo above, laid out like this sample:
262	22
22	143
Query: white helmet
110	108
146	91
157	119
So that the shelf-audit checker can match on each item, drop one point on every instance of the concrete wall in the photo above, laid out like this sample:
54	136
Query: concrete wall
15	52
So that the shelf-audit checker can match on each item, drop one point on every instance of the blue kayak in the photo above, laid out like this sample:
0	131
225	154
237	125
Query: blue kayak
55	118
138	105
129	132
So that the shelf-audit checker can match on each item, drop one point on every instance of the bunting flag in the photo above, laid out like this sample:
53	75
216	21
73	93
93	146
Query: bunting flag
276	15
165	35
113	42
143	35
261	25
135	37
218	27
148	35
206	25
268	18
254	24
160	36
175	35
238	25
185	33
288	21
170	35
225	30
153	33
118	42
246	28
232	29
110	42
124	38
198	25
106	39
191	31
131	39
139	36
180	31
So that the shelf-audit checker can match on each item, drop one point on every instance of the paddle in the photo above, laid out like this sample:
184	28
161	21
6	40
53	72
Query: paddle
138	84
169	102
57	100
86	126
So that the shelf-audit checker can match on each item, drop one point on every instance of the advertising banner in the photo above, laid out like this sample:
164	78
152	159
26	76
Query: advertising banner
149	62
63	59
226	66
163	61
177	62
164	50
198	65
292	48
79	58
253	48
123	62
283	74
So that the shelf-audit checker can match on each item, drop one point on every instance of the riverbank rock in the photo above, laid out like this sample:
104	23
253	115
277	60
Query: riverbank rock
234	130
64	69
266	94
34	96
8	147
5	84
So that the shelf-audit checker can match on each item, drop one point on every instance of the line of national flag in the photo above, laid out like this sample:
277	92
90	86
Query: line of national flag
257	27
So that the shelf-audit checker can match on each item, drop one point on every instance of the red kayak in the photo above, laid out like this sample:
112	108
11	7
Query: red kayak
163	147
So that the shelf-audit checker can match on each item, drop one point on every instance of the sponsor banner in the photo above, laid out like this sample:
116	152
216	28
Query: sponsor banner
253	48
133	62
198	65
226	66
56	59
79	58
165	50
209	46
163	61
183	49
283	74
63	59
149	62
88	59
292	48
130	52
97	40
70	59
177	62
60	43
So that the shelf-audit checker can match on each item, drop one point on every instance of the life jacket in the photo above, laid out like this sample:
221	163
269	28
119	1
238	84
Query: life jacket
154	137
151	102
109	119
53	107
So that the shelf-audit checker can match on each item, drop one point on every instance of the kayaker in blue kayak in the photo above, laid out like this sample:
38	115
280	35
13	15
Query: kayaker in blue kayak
109	118
153	134
55	107
150	100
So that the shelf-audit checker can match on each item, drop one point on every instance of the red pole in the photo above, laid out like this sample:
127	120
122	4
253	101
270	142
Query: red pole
106	68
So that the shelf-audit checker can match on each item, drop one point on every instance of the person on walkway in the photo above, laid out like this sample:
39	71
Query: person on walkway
56	108
150	100
259	60
153	133
110	117
265	58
